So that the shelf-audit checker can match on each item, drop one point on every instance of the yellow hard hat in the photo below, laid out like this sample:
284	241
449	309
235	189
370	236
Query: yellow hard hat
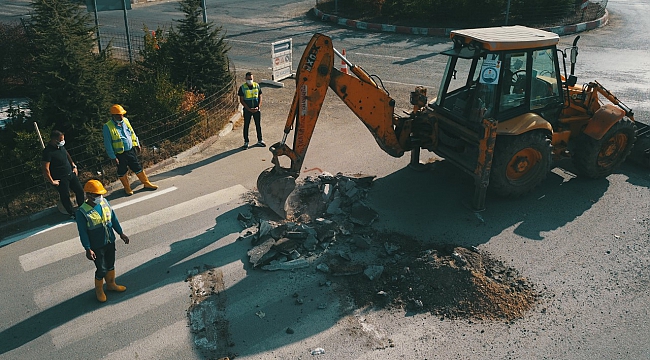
117	110
94	187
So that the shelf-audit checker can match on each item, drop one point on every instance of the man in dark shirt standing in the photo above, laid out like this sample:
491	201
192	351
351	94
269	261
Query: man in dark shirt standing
60	171
250	96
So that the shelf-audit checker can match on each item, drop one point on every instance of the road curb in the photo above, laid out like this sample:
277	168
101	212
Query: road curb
362	25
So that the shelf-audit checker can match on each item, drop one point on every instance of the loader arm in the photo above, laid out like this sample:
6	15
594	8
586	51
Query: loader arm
315	73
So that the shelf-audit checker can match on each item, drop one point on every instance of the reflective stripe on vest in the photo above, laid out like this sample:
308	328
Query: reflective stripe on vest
116	140
251	94
93	218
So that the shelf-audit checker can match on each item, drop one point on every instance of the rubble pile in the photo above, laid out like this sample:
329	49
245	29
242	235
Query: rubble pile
328	228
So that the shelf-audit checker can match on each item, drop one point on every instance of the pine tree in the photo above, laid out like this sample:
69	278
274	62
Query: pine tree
199	59
71	81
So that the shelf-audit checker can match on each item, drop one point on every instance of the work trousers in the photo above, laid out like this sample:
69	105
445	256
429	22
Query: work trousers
128	160
247	122
104	260
67	183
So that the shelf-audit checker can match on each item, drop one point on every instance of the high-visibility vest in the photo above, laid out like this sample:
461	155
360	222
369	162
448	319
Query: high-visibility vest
98	225
116	140
251	94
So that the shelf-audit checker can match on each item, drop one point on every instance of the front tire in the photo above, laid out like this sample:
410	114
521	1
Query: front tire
598	158
520	163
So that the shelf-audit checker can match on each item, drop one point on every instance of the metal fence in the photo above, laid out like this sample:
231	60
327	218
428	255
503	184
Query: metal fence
212	114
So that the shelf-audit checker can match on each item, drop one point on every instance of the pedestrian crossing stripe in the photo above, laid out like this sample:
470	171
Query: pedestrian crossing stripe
43	229
71	247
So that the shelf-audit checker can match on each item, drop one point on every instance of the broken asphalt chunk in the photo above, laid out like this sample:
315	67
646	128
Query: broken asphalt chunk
323	267
346	269
361	214
310	243
258	255
265	227
286	245
287	265
373	271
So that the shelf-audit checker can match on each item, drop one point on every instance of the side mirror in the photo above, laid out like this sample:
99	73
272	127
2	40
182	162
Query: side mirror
574	54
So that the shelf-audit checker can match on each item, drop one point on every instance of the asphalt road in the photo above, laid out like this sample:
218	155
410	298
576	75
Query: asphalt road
585	244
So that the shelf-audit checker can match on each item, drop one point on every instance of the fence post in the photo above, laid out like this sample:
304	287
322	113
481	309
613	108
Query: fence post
205	11
128	35
507	12
99	38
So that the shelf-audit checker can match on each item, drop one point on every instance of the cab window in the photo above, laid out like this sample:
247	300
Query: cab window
544	88
513	88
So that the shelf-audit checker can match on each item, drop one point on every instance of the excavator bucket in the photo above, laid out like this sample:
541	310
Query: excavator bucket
275	185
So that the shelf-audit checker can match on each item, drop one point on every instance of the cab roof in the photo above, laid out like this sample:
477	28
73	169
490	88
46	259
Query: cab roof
506	37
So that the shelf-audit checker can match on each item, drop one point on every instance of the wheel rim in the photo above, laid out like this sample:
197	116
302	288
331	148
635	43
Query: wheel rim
522	163
612	150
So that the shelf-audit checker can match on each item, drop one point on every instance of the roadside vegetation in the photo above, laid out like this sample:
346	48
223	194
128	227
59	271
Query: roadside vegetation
174	94
466	13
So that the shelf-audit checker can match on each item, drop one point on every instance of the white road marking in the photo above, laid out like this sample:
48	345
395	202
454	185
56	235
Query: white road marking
58	292
150	347
146	197
46	228
87	325
377	56
68	248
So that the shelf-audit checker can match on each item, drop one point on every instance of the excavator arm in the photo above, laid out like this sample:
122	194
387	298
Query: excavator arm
315	74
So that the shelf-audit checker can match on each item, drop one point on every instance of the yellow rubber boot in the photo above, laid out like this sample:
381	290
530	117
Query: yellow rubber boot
145	181
127	187
110	282
99	290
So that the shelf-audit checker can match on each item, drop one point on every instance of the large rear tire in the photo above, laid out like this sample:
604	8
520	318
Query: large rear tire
520	163
598	158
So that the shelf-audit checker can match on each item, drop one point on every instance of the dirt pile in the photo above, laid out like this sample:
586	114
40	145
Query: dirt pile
329	227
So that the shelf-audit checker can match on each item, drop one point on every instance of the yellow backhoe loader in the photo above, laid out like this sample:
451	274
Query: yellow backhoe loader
503	114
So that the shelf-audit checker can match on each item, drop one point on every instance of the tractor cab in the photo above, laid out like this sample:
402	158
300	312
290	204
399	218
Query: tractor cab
500	73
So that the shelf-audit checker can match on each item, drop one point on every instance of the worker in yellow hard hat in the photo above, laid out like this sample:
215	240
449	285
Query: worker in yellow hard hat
121	145
97	224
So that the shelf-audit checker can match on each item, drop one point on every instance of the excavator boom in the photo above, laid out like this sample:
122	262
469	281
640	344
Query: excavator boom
315	74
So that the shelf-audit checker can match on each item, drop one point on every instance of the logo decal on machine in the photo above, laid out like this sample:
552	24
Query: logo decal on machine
311	58
303	100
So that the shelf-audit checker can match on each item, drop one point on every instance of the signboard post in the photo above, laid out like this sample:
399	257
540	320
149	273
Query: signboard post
108	5
281	62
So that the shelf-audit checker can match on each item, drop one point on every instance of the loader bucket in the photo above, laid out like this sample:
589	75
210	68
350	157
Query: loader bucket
275	185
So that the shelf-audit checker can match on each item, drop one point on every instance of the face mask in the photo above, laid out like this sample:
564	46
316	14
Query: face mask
249	82
61	143
98	200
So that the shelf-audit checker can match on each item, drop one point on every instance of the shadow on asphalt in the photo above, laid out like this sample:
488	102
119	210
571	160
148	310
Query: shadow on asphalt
172	267
186	169
428	203
432	204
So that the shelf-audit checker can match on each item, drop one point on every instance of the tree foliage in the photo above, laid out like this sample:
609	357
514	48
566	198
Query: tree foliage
199	58
70	81
14	59
460	13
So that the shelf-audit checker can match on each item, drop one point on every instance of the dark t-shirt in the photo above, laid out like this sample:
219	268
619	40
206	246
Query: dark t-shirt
58	158
253	102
